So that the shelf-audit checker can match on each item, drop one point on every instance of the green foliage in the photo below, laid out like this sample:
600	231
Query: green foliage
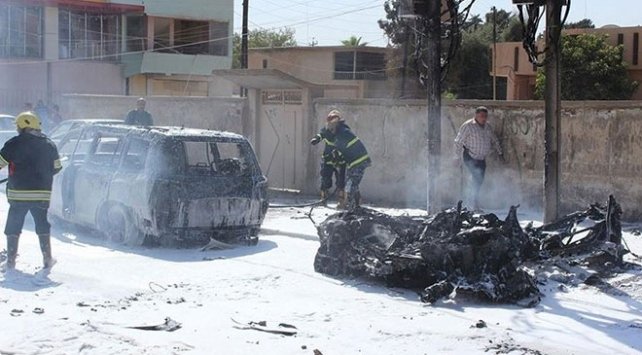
469	75
263	38
354	41
591	70
585	23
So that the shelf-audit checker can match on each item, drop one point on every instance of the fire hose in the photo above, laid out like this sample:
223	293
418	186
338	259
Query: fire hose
310	204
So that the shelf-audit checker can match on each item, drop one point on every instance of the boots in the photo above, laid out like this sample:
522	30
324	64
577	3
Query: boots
12	252
342	203
45	247
324	197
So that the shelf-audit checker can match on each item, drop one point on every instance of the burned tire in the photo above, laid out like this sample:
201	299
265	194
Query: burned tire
119	227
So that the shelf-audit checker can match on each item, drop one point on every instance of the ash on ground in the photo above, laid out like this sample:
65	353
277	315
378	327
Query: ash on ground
458	252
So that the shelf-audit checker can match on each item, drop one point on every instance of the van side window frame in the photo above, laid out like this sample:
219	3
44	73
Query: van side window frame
116	156
124	152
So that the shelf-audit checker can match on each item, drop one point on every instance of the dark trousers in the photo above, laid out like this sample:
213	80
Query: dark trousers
18	212
477	169
354	177
328	171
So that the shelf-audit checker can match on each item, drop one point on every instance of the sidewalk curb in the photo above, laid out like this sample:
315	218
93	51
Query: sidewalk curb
269	231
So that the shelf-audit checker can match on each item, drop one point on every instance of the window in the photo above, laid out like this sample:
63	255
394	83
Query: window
272	97
280	97
265	63
21	31
218	158
61	130
292	97
67	146
136	33
357	65
219	36
135	157
162	37
107	150
88	35
516	60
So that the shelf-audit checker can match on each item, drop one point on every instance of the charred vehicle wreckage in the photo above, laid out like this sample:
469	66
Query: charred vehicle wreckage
160	185
459	252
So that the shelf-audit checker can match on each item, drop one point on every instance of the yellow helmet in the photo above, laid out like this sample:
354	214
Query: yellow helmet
28	120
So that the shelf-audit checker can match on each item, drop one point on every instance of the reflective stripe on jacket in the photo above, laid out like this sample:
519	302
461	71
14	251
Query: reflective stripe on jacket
350	146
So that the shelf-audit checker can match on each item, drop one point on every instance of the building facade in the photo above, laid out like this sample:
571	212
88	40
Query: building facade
53	47
513	64
344	72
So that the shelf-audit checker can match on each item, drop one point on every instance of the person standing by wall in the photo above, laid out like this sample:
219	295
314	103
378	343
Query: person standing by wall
33	161
138	116
474	142
354	153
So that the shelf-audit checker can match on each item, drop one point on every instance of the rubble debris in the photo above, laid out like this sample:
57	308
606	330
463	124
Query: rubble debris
263	326
480	324
458	251
169	325
16	312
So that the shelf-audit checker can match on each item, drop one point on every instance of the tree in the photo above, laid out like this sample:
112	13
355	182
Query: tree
263	38
468	73
584	23
591	70
354	41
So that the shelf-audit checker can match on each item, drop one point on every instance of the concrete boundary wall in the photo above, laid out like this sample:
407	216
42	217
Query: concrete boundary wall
223	114
601	151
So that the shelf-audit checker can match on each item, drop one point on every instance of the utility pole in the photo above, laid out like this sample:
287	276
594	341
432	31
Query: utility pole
433	89
552	130
244	40
494	53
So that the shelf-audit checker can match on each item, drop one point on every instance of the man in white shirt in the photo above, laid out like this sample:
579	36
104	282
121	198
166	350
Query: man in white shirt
474	142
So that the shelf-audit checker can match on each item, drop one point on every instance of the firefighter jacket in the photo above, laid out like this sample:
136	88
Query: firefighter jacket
350	146
331	155
33	161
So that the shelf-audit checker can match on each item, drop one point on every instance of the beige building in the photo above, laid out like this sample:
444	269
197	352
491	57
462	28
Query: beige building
49	48
520	74
344	72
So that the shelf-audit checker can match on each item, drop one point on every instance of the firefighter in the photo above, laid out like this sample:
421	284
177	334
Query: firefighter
33	161
355	154
332	164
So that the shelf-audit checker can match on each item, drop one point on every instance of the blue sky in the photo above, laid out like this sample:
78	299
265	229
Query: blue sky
330	21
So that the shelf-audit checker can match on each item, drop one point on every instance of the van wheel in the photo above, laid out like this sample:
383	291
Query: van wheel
121	229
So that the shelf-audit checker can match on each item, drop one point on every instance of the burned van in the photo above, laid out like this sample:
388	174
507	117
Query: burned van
160	185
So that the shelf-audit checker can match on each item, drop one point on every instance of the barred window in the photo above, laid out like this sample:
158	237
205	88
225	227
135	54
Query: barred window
21	31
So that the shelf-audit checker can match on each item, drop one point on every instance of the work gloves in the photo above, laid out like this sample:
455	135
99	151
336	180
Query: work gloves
316	140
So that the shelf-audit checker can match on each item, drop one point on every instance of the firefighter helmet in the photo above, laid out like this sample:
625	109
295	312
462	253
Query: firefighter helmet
28	120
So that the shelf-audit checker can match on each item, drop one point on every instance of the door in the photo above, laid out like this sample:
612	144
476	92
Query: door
131	183
92	179
280	143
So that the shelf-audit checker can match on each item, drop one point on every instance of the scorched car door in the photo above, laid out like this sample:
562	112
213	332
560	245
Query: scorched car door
93	178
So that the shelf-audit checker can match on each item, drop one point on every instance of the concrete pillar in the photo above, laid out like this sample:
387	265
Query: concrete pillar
150	33
51	51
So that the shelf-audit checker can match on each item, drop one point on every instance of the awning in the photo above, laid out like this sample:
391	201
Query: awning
102	6
263	79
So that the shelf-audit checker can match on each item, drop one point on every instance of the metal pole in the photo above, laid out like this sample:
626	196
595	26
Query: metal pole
494	53
244	41
433	89
552	130
244	35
